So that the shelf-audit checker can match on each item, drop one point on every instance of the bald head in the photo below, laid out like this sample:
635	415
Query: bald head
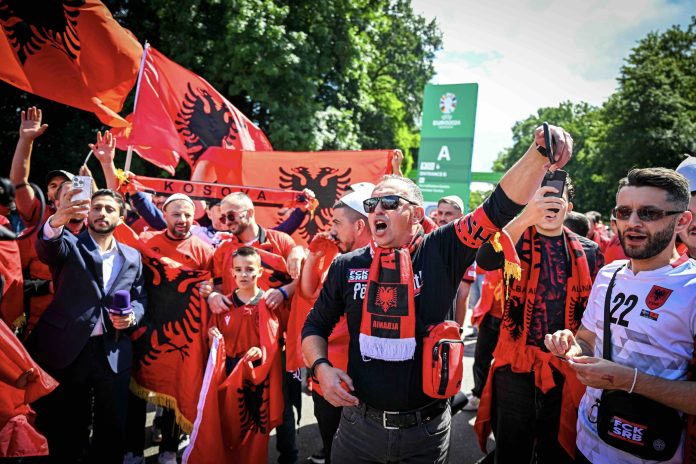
238	200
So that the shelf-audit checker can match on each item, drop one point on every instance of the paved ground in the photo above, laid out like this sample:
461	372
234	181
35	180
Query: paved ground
464	449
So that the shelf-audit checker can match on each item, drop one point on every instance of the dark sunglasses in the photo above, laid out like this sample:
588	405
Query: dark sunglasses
389	202
645	213
231	216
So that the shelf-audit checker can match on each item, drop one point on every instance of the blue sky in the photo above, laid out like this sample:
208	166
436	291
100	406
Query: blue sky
526	54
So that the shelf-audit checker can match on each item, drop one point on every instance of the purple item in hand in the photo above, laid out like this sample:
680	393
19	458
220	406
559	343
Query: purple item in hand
120	305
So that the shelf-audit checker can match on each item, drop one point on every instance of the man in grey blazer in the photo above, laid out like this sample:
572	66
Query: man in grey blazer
77	340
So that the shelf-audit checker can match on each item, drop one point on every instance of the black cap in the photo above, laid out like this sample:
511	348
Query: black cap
56	173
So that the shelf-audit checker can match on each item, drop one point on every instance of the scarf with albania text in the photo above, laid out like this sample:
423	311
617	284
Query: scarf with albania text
388	326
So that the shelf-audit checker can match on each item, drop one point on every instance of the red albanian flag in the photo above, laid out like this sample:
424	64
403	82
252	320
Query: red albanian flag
328	174
71	51
179	114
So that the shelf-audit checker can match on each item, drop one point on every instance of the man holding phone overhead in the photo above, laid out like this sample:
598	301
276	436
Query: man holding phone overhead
528	396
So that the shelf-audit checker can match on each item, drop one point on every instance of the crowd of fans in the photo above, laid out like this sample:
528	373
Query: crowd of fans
565	309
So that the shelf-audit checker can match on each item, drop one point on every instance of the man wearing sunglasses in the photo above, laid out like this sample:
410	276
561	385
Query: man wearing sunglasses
523	401
389	292
652	317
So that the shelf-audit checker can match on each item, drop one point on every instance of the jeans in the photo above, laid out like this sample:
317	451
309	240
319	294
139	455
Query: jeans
489	331
361	440
525	420
328	417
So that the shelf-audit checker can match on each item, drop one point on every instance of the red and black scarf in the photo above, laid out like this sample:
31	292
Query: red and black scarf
388	326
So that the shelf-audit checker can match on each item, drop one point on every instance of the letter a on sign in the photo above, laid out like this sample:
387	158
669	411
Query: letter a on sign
444	154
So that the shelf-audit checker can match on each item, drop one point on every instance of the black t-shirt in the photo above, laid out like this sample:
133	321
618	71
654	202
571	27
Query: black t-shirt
438	267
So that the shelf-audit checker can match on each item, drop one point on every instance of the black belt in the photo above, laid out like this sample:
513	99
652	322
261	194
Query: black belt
406	419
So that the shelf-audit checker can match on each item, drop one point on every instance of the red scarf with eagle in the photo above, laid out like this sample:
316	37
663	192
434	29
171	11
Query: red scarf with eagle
512	348
388	325
236	413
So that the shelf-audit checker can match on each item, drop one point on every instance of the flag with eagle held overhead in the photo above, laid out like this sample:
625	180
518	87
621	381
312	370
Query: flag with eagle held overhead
71	51
178	114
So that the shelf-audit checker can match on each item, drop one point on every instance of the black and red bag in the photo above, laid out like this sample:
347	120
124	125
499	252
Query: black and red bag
443	366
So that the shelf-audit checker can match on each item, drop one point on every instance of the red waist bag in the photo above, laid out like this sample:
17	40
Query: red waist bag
443	353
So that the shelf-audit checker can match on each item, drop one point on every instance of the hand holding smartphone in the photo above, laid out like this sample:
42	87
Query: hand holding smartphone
83	183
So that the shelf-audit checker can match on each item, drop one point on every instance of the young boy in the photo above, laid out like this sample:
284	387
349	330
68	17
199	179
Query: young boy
249	400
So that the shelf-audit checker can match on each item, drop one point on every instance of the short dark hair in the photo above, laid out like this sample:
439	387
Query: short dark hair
669	180
353	216
246	251
113	194
594	216
578	223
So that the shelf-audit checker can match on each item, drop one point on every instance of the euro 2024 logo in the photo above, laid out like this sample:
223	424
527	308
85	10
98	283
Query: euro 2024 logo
448	103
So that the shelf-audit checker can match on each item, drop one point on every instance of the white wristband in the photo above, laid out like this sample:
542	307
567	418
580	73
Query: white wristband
635	377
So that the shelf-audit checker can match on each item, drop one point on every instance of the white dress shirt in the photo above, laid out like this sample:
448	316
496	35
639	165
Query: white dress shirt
112	262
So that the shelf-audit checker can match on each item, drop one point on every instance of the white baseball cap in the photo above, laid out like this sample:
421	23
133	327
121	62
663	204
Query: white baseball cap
175	197
453	199
363	186
354	200
687	168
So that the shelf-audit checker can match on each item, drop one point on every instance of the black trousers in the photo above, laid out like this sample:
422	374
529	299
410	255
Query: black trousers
361	440
89	393
487	339
328	416
137	412
525	420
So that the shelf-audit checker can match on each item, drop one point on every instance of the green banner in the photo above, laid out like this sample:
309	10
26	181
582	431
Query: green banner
447	140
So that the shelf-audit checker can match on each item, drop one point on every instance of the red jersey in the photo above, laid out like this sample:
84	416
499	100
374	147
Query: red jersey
191	252
274	248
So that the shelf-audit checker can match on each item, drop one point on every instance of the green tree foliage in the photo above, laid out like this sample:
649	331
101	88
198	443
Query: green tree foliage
582	121
649	121
337	74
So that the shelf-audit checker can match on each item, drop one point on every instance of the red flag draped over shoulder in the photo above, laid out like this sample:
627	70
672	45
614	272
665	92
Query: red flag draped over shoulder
73	52
328	174
179	114
236	414
171	343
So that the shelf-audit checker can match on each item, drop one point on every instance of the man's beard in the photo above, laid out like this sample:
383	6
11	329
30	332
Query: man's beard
176	234
654	243
108	230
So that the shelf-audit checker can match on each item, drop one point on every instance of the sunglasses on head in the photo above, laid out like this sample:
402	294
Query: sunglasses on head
232	215
645	213
389	202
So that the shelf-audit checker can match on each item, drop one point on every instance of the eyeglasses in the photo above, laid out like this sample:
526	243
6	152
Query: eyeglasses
645	213
232	215
389	202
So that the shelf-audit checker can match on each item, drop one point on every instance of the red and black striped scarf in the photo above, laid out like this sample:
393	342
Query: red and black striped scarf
388	326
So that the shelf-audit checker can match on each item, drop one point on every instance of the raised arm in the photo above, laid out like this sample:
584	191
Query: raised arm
523	179
105	151
30	128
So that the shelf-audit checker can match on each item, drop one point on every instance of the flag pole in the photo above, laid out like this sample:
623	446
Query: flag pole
129	153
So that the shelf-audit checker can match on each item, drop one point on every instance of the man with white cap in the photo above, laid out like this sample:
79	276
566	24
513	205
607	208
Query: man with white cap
349	231
178	244
687	168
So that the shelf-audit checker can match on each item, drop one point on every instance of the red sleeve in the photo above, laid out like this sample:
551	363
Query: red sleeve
285	243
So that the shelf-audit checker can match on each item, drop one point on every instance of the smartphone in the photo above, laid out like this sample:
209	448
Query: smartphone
556	179
83	183
548	141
